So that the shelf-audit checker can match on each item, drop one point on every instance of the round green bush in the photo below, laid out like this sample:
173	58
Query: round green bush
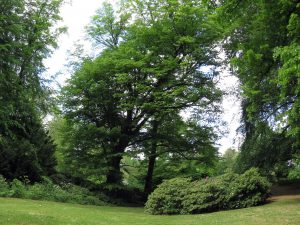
248	189
168	197
207	195
229	191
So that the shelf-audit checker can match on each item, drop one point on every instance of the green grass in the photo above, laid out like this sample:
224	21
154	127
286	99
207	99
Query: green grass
283	211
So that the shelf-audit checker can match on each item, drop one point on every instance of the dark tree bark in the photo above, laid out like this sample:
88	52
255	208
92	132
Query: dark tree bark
152	158
114	175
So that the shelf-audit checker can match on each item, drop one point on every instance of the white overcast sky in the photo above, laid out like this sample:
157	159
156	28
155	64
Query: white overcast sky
77	14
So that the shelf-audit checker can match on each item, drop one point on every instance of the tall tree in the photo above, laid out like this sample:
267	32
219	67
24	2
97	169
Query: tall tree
155	69
257	37
26	39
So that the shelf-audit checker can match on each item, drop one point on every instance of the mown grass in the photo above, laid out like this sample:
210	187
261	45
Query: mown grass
283	211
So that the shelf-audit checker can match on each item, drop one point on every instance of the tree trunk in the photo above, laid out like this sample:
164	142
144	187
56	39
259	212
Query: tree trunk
149	181
152	158
114	175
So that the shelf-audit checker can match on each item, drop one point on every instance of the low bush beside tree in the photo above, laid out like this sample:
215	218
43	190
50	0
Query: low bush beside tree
229	191
47	190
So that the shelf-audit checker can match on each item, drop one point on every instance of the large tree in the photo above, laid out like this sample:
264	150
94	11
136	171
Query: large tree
261	43
26	39
151	66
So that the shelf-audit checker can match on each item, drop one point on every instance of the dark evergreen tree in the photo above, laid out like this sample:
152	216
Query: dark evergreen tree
26	39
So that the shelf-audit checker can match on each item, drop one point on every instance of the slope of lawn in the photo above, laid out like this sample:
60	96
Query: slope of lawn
282	210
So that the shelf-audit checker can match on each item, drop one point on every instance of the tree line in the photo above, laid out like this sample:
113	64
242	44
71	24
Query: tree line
148	106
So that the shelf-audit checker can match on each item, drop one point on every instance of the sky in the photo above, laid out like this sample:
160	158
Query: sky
77	14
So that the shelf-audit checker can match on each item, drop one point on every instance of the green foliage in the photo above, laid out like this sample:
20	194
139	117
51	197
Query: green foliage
150	68
168	197
18	189
204	196
229	191
108	27
134	171
49	191
4	187
177	148
267	150
294	174
227	162
294	170
262	45
169	167
86	165
27	37
64	193
26	151
248	189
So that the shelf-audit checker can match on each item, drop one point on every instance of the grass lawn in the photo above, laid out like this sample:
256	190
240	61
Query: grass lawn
282	210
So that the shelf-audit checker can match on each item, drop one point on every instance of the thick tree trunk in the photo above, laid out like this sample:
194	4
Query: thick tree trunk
114	175
152	158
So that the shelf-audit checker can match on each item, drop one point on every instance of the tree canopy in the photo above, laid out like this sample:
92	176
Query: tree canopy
153	70
262	48
27	37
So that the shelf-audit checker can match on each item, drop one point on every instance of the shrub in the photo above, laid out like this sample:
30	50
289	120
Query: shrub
4	187
67	193
47	190
229	191
17	189
294	174
294	171
248	189
207	195
168	197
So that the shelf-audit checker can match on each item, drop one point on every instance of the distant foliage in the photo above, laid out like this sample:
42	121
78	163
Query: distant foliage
4	187
263	48
229	191
267	150
294	171
48	191
227	162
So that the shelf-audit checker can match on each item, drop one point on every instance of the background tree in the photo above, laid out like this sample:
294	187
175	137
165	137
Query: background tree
227	162
26	39
255	33
176	143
